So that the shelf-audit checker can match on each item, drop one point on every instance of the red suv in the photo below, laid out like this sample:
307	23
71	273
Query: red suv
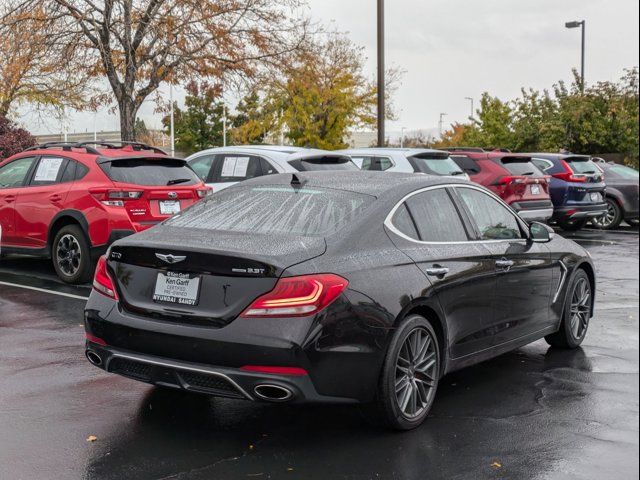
69	201
513	178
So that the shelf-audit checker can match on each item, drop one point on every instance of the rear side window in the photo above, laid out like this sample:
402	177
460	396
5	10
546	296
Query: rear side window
275	209
373	163
621	171
436	217
582	166
436	166
323	163
404	223
236	168
14	174
467	164
493	219
150	172
521	167
542	164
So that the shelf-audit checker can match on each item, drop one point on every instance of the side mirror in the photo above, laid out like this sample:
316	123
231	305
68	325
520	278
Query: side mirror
540	233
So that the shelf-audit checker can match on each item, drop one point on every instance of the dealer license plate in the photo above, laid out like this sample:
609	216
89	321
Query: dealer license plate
174	287
169	207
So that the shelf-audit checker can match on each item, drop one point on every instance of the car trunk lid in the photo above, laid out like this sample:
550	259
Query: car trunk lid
199	277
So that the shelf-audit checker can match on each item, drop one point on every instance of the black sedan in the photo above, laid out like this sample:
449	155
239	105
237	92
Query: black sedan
363	287
621	196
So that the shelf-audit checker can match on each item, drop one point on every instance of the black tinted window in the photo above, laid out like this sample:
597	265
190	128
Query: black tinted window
275	210
150	172
69	174
436	217
14	173
519	167
317	164
267	168
81	171
404	223
466	164
493	219
236	168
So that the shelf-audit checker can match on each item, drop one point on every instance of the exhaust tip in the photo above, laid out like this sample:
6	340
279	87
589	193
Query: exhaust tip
273	393
94	358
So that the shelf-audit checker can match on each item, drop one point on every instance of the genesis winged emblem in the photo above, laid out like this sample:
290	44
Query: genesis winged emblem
171	259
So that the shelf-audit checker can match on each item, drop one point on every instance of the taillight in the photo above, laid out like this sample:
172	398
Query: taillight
102	282
568	175
94	339
509	179
115	198
204	192
298	296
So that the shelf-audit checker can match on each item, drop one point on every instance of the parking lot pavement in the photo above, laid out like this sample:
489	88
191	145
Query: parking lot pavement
534	413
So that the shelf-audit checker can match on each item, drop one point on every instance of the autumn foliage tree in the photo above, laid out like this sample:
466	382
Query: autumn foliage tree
13	139
139	44
34	68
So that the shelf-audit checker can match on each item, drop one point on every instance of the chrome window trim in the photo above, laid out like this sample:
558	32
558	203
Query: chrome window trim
389	223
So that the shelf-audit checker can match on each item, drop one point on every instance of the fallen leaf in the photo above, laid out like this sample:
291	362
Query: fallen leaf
496	465
92	438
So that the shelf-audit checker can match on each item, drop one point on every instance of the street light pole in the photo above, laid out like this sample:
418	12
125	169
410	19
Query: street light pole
576	24
442	115
381	75
171	127
472	110
402	137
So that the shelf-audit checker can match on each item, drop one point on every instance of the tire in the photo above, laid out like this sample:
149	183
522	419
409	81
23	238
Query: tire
577	313
420	384
572	225
71	255
610	220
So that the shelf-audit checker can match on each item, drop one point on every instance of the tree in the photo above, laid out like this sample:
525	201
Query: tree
200	124
13	139
139	44
252	122
33	68
324	94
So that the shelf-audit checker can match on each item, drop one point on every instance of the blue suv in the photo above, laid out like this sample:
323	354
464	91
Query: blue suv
576	187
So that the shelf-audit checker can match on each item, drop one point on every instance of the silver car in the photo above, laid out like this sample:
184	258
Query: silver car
409	160
222	167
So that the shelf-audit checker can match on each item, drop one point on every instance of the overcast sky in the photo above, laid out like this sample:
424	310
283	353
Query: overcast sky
452	49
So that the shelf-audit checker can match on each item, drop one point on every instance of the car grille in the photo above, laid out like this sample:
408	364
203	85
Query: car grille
131	368
209	384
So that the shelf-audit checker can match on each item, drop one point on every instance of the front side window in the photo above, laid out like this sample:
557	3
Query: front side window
280	210
372	163
494	220
15	173
436	217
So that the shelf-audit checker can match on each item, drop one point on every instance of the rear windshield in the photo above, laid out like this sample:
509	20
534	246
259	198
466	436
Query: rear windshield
521	167
621	171
437	166
150	172
582	165
275	210
324	163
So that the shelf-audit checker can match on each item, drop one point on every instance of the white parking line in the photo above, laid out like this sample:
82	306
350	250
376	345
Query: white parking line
53	292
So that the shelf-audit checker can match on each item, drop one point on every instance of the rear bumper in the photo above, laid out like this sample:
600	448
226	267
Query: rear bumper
538	210
579	212
210	380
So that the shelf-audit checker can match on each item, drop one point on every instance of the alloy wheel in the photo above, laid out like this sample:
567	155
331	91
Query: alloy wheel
608	218
68	255
580	308
416	373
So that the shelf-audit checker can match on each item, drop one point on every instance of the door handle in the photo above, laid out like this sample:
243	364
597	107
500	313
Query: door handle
9	198
504	264
55	197
437	271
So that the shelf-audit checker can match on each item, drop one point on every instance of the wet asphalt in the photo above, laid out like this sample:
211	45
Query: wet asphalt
535	413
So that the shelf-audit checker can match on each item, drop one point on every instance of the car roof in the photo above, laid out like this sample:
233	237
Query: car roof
407	152
556	156
365	182
314	153
278	151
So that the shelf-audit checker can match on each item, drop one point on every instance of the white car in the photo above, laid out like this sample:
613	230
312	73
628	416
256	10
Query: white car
408	160
222	167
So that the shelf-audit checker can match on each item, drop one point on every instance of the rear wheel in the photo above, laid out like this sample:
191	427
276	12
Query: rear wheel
577	313
610	220
572	225
71	256
410	375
